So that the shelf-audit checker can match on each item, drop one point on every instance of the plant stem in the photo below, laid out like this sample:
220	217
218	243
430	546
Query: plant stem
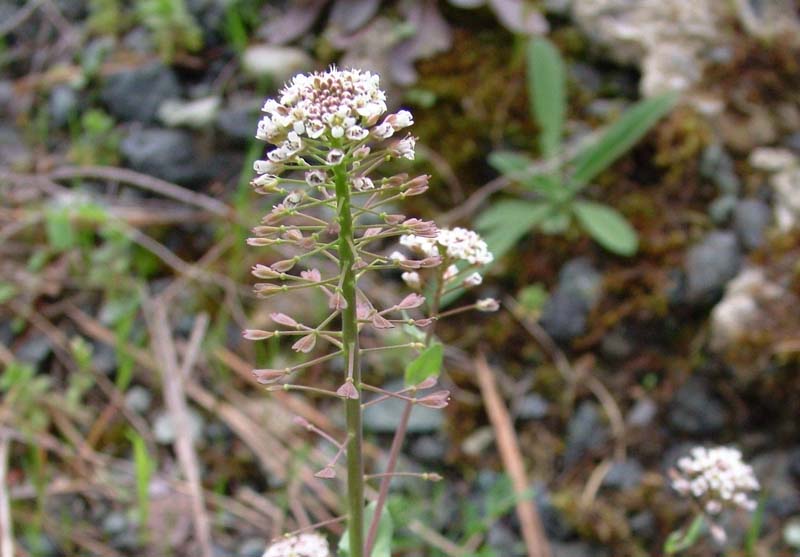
350	349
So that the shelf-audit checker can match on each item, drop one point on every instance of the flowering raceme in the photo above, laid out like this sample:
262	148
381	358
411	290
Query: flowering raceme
330	134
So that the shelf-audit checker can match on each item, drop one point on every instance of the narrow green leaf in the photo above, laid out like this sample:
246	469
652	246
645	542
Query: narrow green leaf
512	164
144	468
607	226
505	222
620	137
427	364
547	93
383	541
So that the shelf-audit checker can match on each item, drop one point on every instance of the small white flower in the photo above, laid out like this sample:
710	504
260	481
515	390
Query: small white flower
397	256
334	157
405	147
487	305
356	133
473	280
383	131
363	183
412	279
302	545
316	178
266	167
450	272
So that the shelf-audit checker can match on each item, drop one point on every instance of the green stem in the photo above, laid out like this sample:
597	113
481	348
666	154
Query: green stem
355	463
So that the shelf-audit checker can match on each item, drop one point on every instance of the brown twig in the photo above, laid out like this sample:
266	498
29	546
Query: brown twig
175	400
531	525
6	528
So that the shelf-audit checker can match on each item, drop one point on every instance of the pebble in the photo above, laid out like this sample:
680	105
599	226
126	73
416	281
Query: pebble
696	411
564	315
626	474
276	62
164	428
197	113
138	399
709	266
165	154
251	547
135	94
238	122
532	407
585	432
62	105
384	416
750	221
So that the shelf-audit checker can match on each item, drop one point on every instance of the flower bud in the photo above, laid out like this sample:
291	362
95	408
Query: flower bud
312	275
411	301
267	376
436	400
305	344
256	334
487	304
283	319
264	272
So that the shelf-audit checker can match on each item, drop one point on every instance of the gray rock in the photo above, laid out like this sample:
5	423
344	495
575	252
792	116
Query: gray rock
62	105
586	431
750	219
643	525
532	407
166	154
767	19
138	399
626	474
238	123
196	113
276	62
136	94
717	165
115	523
384	416
617	345
774	472
34	350
696	411
251	547
503	540
642	412
104	358
428	449
164	427
13	153
578	290
553	521
709	266
792	141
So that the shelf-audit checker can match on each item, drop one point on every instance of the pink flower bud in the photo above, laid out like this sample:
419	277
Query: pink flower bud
312	275
264	272
283	265
348	390
423	322
301	421
256	242
283	319
411	301
326	473
305	344
380	322
394	219
293	234
256	334
424	228
372	231
439	399
336	301
418	185
267	376
265	289
427	383
487	304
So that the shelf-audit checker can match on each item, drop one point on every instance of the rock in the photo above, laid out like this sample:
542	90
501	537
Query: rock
164	427
553	521
743	309
238	122
478	441
578	290
13	153
642	413
384	416
251	547
626	474
617	345
104	358
644	525
532	407
502	539
767	19
197	113
115	523
667	39
695	411
586	431
428	449
136	94
62	105
716	165
166	154
773	471
276	62
138	399
792	141
794	463
784	167
710	264
34	350
750	220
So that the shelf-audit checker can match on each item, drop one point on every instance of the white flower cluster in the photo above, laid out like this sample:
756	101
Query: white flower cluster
303	545
717	478
335	106
459	244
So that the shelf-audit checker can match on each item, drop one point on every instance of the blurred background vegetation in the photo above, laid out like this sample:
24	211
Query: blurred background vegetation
635	165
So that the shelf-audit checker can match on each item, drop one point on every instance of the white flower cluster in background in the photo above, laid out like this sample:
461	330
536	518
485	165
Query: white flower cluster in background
454	246
717	478
303	545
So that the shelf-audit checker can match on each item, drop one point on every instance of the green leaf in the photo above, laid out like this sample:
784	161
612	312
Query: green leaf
512	164
383	541
677	541
547	93
427	364
505	222
620	137
607	226
59	229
